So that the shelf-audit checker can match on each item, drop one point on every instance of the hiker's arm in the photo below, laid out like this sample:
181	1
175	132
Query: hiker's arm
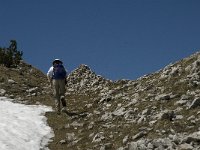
49	75
49	79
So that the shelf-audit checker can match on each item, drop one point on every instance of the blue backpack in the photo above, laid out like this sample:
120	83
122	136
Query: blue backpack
59	72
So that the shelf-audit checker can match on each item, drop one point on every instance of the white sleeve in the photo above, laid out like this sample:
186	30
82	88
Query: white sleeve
50	72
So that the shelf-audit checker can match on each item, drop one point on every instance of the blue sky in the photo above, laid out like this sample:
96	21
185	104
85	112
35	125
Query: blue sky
118	39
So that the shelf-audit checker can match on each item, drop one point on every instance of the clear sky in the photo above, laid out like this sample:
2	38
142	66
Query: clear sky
118	39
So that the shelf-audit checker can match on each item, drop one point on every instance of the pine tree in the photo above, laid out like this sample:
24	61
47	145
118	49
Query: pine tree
10	57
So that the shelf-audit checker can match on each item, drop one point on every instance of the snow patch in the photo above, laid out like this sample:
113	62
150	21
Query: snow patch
23	127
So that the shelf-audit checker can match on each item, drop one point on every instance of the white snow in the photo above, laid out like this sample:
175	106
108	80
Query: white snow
23	127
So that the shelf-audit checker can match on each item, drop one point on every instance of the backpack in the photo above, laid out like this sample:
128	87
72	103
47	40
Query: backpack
59	72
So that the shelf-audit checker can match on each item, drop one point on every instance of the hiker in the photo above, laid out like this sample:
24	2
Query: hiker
57	78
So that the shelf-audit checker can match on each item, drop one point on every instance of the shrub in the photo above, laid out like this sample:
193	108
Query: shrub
10	57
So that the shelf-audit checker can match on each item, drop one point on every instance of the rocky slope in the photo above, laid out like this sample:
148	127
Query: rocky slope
157	111
25	84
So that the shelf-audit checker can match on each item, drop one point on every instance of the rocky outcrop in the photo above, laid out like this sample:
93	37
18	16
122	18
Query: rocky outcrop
83	78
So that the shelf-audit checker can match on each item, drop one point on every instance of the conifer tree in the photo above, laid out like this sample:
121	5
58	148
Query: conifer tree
10	57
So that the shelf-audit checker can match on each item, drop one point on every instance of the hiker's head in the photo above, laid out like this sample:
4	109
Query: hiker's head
57	61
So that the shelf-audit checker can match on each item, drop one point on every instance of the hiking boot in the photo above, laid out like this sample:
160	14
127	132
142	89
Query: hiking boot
64	110
58	112
62	99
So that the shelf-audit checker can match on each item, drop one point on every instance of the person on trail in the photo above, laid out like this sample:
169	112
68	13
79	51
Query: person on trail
57	77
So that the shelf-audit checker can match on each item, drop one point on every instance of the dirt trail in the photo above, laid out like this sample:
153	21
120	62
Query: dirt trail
57	123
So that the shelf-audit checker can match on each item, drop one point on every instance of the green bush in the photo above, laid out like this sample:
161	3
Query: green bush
10	57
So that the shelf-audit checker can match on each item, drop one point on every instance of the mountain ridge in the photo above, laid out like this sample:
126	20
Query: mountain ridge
157	111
